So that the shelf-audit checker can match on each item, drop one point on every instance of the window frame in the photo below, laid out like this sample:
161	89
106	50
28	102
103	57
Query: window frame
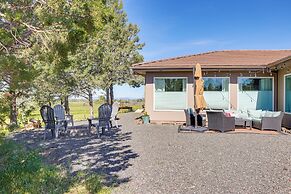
273	91
154	94
284	93
229	102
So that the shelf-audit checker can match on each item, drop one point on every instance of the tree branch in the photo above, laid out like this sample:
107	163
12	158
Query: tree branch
4	47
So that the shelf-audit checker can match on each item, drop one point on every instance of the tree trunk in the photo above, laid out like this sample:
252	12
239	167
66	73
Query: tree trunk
91	103
13	109
111	94
107	96
66	105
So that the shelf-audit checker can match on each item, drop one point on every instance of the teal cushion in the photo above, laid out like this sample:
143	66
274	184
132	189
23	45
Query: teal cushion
190	111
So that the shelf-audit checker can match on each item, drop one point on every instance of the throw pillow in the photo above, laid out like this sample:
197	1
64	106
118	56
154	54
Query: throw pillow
242	114
263	113
276	114
269	114
227	114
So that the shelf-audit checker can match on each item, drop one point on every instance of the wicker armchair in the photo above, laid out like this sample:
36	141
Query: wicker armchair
218	121
287	120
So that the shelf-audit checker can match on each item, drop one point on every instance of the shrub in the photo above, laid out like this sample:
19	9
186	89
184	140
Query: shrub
93	183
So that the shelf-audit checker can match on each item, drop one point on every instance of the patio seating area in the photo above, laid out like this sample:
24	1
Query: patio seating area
253	121
57	122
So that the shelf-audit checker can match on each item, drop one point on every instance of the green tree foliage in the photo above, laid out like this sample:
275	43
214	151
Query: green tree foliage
16	71
51	49
4	111
119	47
74	23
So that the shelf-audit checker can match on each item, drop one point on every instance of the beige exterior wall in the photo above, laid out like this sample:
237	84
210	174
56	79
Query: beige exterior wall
281	89
166	116
178	116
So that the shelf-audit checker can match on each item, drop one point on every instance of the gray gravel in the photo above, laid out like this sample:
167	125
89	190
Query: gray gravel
169	162
157	159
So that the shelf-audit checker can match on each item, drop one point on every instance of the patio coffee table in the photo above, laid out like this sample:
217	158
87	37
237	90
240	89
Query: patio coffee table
246	122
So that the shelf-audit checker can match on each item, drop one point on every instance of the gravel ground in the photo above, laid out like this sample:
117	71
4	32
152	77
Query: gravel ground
169	162
157	159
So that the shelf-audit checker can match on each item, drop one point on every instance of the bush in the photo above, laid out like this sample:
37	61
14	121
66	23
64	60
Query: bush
93	183
4	132
23	171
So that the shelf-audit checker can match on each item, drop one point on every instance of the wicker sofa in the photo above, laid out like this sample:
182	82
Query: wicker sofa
260	119
217	120
269	120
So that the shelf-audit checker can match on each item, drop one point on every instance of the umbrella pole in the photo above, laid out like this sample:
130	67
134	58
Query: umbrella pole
196	125
194	86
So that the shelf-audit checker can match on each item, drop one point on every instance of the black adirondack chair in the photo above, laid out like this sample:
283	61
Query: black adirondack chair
55	125
104	117
48	117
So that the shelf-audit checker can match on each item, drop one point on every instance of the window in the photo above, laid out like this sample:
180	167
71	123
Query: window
288	93
255	93
170	93
216	92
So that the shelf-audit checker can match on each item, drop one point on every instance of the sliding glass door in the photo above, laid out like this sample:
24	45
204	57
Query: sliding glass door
255	93
216	92
288	93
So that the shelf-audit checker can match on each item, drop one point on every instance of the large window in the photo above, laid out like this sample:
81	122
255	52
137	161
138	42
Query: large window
170	93
255	93
216	92
288	93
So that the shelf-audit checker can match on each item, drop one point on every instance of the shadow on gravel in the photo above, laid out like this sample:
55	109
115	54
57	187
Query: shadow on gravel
105	156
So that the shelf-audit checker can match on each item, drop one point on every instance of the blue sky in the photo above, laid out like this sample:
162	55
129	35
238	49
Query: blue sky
172	28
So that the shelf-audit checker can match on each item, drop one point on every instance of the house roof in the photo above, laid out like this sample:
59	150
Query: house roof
232	59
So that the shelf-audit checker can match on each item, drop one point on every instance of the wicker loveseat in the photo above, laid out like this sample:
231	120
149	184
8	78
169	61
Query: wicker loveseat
267	120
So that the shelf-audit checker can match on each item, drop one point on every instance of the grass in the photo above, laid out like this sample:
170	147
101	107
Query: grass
24	171
80	109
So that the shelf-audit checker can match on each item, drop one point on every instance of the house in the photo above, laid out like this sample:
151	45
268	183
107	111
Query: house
233	80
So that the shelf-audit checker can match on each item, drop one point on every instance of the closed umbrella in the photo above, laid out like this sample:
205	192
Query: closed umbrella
199	101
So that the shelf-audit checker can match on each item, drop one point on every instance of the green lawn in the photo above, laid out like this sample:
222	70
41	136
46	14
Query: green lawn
80	110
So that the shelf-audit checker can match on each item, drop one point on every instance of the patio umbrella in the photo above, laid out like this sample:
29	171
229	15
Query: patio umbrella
199	101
